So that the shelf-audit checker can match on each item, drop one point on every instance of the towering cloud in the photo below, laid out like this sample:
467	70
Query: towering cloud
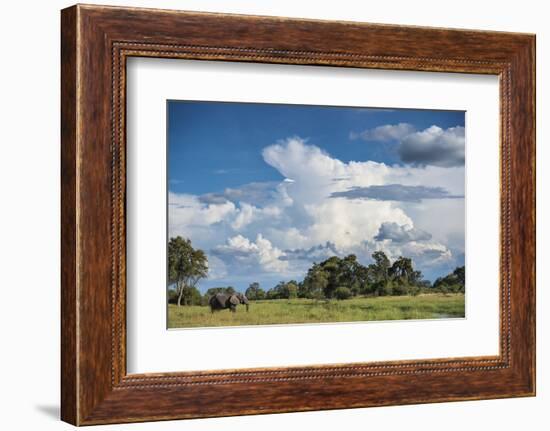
324	206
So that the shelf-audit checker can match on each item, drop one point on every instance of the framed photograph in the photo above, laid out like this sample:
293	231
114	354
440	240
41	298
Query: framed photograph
328	206
265	215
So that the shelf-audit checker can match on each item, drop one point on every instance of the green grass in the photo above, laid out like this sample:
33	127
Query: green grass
285	311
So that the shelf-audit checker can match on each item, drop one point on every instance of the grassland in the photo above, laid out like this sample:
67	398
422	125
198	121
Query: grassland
285	311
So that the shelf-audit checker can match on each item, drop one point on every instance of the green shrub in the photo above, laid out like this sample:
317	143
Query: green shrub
342	292
414	290
387	288
400	289
190	296
172	296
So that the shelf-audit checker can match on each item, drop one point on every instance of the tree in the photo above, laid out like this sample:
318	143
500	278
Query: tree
453	282
260	294
381	266
213	290
403	273
333	273
366	277
378	275
289	290
186	266
460	273
275	292
338	277
401	270
349	270
314	283
254	291
353	274
332	267
283	290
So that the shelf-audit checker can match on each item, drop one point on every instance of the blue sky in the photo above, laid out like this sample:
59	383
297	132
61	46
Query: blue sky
225	140
267	189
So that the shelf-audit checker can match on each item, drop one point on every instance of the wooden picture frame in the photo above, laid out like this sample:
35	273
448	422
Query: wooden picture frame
95	43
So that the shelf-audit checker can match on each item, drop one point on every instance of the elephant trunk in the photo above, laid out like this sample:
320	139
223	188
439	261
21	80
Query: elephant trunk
247	307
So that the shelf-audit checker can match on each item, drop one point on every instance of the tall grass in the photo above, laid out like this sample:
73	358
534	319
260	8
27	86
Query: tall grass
285	311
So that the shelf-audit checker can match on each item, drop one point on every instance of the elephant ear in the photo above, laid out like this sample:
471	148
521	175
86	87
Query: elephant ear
234	300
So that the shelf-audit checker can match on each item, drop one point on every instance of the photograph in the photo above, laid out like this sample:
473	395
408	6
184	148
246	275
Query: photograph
300	214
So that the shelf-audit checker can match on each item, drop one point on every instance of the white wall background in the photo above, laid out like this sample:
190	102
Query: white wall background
29	226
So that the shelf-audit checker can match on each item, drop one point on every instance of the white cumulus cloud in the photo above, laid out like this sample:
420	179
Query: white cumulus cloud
239	252
315	209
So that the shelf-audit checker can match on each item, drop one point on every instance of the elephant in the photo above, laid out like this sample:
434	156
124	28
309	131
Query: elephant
222	301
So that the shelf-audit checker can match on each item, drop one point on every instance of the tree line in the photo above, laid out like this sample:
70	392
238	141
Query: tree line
334	278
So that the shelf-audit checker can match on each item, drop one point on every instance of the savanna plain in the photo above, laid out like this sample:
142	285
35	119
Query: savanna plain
301	310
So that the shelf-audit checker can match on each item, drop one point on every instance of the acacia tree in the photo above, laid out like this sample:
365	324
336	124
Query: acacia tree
186	266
